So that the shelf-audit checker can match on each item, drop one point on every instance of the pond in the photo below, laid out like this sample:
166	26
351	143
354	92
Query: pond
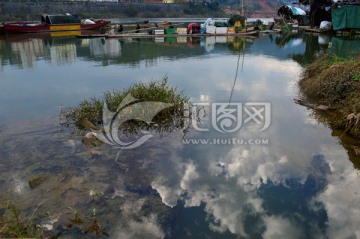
263	168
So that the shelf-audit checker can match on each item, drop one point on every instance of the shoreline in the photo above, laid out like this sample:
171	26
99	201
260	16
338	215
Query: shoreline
331	87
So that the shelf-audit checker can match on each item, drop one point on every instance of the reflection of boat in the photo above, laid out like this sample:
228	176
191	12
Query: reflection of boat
90	35
249	33
54	23
271	31
43	35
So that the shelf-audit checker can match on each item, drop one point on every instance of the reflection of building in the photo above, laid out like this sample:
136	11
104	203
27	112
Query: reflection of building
159	1
344	47
63	54
1	55
100	47
24	53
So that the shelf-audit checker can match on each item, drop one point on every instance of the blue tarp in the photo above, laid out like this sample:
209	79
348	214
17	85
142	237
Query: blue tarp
297	11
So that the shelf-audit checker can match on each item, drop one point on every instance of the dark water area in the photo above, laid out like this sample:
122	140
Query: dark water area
273	172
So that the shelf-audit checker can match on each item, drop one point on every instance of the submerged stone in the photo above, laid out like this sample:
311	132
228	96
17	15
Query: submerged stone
36	181
91	141
95	152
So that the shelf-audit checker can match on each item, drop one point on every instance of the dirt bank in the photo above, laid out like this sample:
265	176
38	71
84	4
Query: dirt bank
334	82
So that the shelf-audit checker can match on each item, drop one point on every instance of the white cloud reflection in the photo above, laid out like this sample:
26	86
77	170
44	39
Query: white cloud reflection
237	182
147	227
341	198
280	228
229	189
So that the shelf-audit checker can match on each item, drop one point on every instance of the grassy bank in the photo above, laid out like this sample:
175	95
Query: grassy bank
335	82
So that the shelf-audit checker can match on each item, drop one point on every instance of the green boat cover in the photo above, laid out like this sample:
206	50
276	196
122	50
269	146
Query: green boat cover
345	17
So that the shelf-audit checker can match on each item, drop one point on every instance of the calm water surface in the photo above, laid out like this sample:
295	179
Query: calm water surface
297	181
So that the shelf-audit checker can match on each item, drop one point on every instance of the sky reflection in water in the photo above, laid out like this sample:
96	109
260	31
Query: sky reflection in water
300	185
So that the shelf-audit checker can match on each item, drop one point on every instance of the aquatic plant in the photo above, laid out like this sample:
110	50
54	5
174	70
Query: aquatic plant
87	225
12	224
89	113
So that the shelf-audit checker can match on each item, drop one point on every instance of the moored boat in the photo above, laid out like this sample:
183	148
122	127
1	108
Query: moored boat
54	23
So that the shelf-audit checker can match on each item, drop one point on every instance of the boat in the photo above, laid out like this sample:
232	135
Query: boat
54	23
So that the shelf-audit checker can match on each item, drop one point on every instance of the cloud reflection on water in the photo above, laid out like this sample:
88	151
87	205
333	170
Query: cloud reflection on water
293	189
300	186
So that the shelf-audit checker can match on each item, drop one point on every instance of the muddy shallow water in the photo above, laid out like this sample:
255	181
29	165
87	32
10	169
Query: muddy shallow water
293	179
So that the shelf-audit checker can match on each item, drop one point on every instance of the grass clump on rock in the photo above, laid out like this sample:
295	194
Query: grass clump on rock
335	82
136	102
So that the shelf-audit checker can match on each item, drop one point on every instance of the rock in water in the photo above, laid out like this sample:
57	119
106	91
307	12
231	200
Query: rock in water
90	140
36	181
